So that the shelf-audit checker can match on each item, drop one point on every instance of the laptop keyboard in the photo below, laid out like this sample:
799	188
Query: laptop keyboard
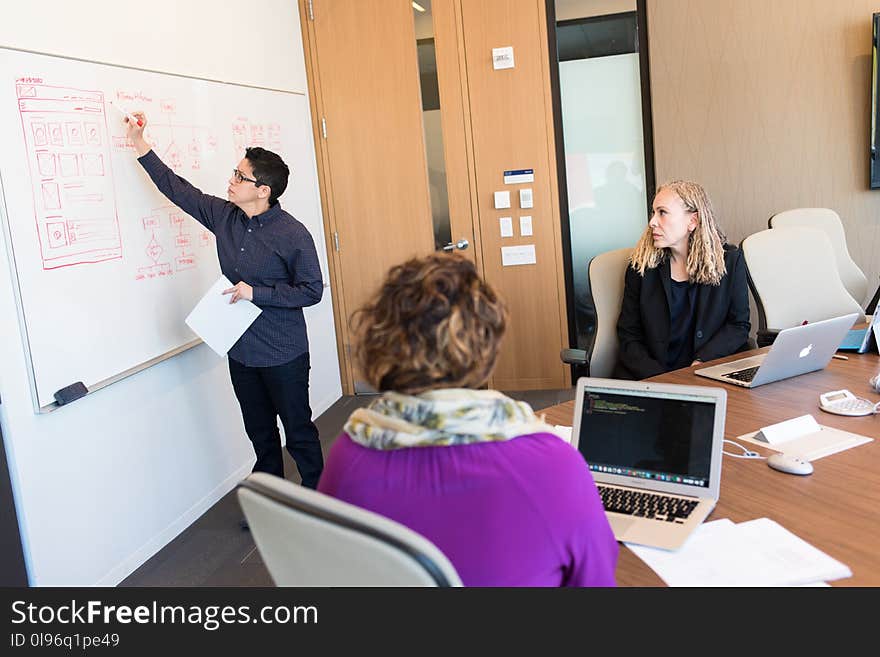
646	505
745	375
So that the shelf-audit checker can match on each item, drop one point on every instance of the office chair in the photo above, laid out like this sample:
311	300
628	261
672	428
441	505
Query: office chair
607	272
793	277
307	538
854	280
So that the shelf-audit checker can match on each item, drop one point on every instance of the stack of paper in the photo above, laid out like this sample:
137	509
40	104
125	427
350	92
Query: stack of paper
755	553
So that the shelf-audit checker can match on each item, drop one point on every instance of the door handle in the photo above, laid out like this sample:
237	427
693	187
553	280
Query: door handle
461	244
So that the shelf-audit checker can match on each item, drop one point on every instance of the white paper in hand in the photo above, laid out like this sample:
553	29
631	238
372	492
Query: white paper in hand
220	323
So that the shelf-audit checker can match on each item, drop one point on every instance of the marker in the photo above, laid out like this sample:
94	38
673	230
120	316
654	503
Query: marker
840	357
127	115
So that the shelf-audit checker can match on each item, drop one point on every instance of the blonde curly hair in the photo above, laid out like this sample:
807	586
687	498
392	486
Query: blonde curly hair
705	256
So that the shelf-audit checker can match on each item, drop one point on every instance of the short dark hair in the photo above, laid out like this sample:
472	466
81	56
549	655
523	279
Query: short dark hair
269	169
434	323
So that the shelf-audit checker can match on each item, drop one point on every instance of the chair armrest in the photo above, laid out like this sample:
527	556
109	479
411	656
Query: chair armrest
573	356
871	308
766	337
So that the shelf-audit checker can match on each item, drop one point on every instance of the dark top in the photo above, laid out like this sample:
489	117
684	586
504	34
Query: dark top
272	252
720	326
681	324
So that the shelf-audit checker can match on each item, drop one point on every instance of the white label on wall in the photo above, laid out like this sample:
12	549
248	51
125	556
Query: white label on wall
525	198
515	176
518	255
502	57
502	200
506	226
525	226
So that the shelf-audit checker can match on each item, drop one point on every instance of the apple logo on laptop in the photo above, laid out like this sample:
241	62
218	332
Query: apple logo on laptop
806	350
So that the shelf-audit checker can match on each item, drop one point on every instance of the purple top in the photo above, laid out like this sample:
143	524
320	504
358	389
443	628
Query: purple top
521	512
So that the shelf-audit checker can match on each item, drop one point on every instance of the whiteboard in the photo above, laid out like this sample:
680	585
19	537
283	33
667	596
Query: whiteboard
107	268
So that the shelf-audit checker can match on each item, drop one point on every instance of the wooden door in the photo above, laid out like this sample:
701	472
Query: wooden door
367	109
511	122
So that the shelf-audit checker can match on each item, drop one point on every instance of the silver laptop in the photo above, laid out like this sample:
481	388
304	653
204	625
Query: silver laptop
795	351
655	453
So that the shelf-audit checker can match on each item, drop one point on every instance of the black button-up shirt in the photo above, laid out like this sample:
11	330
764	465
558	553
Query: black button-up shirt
272	252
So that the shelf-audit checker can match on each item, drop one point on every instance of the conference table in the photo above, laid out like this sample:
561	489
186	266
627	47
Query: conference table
836	509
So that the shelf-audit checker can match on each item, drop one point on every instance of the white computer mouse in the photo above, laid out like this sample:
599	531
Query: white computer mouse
790	464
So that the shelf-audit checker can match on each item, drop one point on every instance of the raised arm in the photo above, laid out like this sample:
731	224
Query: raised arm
204	208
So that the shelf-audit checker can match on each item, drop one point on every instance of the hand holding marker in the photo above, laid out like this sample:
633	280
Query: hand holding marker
127	115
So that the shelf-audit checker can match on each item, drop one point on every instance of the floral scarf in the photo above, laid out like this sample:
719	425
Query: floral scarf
442	417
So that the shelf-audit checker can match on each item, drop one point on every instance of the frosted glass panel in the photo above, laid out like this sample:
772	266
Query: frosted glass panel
604	160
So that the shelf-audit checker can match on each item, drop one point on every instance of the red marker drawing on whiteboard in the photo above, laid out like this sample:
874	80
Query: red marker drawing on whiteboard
127	115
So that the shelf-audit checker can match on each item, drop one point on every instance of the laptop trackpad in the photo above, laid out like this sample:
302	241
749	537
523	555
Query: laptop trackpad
619	524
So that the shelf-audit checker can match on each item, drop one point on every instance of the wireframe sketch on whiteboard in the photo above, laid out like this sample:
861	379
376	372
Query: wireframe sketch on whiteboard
65	133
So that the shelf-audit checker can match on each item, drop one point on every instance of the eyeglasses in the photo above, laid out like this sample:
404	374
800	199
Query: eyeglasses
240	177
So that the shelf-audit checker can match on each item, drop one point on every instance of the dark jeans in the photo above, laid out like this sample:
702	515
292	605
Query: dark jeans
264	393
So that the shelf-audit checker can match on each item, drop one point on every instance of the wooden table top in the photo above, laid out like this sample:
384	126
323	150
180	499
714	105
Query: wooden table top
836	509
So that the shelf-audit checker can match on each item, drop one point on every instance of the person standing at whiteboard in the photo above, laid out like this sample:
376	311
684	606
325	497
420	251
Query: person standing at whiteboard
271	259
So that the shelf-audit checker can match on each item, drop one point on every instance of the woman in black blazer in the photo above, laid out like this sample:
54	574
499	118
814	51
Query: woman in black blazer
685	298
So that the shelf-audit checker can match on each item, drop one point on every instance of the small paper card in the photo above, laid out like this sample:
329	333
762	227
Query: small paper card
782	431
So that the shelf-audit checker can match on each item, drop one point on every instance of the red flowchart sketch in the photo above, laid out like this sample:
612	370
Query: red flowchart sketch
69	165
51	196
186	262
46	164
56	137
154	249
93	134
67	148
74	134
57	234
153	271
273	133
167	227
258	135
93	164
41	137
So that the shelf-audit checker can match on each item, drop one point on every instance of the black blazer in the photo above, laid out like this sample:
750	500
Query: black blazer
721	317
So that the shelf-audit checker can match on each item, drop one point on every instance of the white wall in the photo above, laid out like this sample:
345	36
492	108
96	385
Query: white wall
104	483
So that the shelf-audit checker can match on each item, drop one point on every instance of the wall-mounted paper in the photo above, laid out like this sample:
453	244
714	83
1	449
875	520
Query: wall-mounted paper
518	255
502	200
502	57
506	224
525	226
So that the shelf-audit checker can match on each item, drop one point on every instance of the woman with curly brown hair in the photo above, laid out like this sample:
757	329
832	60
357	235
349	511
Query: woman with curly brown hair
477	473
685	298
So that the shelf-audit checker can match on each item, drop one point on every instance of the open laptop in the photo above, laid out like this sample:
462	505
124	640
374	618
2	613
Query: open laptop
655	453
795	351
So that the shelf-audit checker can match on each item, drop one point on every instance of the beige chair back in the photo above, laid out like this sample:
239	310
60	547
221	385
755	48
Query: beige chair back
607	272
794	277
854	279
307	538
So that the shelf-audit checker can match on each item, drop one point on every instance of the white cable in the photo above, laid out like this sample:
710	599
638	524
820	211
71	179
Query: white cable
747	453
